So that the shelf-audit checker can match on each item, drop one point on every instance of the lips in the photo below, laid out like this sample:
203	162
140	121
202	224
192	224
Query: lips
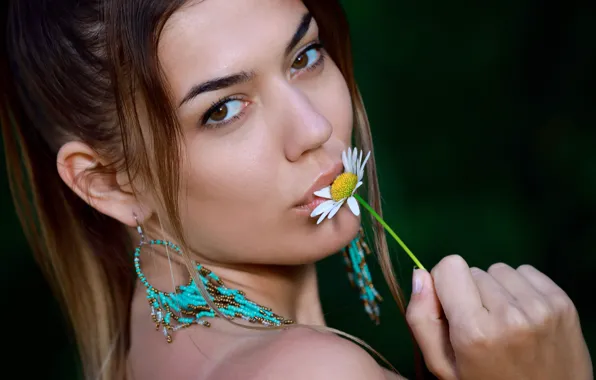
310	201
310	206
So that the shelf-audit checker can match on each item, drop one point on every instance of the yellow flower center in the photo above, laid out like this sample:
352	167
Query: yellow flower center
343	186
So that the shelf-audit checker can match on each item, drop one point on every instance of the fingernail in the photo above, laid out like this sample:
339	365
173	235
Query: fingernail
416	281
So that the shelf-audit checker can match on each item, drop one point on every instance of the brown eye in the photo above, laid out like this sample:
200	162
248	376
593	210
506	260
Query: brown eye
224	112
310	58
301	62
219	113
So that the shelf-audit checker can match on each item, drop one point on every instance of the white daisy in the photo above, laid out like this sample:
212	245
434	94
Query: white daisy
343	188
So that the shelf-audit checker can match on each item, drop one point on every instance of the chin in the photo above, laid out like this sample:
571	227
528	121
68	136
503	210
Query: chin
327	238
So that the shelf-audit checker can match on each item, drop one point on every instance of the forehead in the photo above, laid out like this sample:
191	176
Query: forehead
213	38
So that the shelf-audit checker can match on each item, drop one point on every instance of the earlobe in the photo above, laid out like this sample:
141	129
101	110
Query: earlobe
81	169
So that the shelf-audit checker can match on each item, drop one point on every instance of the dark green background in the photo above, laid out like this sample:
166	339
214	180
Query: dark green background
483	116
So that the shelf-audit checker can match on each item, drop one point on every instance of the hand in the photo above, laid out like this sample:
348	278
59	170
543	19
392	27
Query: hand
504	324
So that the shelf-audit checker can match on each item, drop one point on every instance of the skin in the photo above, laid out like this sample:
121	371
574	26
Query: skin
240	184
503	323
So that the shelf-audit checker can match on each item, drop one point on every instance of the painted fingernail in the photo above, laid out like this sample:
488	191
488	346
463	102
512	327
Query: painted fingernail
417	281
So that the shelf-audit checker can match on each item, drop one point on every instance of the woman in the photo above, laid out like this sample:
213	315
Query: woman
201	129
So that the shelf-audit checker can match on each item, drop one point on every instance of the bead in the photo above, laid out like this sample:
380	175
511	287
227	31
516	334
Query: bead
186	305
359	275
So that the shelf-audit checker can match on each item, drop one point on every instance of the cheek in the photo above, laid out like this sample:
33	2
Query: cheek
335	103
235	173
224	189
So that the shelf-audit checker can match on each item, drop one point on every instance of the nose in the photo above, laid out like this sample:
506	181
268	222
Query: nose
305	128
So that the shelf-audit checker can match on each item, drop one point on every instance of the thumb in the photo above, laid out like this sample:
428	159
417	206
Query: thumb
430	328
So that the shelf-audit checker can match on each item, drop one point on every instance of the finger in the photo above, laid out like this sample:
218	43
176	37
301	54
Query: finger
527	297
556	297
456	288
574	341
494	297
539	280
426	320
516	284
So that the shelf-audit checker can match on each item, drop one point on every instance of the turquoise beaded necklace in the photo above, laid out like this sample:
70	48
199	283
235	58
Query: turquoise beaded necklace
172	311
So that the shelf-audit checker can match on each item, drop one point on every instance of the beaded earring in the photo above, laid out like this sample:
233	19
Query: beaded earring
359	275
172	311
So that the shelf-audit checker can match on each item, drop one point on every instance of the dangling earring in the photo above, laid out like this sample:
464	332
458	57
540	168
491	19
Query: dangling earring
359	275
186	306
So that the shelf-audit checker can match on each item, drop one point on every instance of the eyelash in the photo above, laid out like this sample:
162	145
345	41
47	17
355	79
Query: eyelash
214	108
321	49
207	115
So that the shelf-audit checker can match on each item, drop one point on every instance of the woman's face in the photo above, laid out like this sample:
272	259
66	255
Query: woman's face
265	116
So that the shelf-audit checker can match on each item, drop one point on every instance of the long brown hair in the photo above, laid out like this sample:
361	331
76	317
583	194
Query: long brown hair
73	69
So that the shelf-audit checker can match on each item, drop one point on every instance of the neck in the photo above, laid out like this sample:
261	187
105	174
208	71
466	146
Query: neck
289	291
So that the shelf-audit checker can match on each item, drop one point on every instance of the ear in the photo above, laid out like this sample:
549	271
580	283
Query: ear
78	166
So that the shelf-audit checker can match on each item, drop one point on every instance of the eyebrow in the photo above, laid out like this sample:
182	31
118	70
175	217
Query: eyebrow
244	76
303	28
218	84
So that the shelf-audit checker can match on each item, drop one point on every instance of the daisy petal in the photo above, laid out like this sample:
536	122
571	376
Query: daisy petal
325	206
353	204
324	193
350	163
359	162
354	161
361	169
357	186
335	209
323	216
344	159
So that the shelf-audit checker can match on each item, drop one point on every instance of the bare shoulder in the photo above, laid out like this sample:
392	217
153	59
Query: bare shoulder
228	352
301	353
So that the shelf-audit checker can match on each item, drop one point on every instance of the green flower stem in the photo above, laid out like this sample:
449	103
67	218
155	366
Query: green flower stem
386	226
